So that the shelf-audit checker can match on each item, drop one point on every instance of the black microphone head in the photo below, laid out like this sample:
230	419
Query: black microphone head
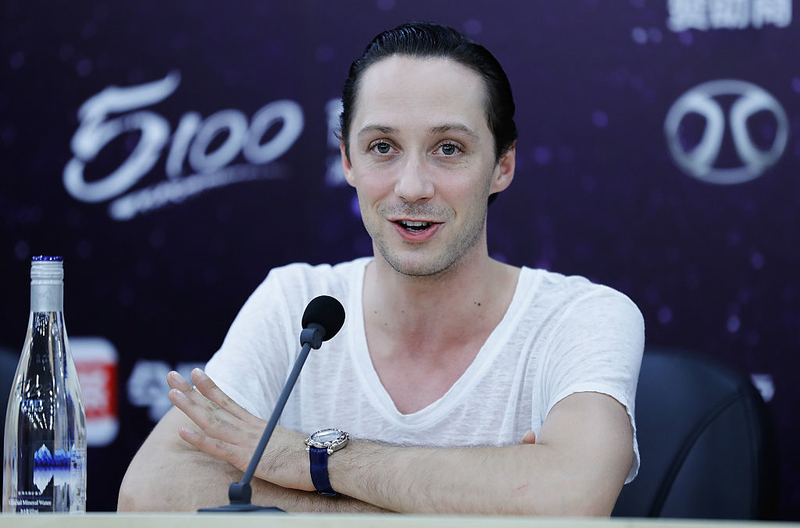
326	312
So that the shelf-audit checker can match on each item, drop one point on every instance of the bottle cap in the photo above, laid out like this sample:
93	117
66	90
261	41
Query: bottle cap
44	268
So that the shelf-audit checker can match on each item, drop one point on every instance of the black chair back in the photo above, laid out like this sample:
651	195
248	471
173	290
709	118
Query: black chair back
706	444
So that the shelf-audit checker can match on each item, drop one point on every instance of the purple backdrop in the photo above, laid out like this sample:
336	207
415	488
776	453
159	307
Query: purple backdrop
175	152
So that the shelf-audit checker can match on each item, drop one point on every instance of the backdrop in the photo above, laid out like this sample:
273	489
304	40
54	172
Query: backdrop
174	152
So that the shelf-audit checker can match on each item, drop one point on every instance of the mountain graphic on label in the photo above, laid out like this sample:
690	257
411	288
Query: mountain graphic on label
47	467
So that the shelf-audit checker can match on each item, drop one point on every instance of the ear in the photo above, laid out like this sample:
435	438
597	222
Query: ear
504	170
347	167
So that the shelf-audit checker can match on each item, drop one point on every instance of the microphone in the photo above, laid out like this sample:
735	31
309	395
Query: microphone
322	319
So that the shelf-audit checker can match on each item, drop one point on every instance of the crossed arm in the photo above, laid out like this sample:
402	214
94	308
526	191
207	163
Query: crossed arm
576	466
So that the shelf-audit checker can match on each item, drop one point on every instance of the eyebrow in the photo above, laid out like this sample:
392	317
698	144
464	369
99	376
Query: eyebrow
441	129
376	128
459	127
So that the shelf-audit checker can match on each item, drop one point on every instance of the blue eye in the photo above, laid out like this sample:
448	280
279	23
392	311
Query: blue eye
450	149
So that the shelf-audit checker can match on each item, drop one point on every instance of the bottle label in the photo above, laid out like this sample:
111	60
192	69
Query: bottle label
30	502
31	496
52	469
49	466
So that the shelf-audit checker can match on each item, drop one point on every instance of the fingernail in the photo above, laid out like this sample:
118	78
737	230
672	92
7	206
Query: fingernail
177	393
186	430
199	374
177	377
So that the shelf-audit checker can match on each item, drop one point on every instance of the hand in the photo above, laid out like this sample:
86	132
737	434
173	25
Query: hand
230	433
528	438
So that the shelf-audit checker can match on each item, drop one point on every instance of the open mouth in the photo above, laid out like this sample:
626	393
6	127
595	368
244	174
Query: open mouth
411	225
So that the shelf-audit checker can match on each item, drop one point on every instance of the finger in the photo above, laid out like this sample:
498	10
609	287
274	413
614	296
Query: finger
220	449
216	423
176	381
210	390
529	438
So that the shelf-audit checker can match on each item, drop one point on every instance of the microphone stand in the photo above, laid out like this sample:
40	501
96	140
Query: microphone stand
240	493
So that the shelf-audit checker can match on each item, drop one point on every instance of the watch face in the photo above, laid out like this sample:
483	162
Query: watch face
330	439
326	435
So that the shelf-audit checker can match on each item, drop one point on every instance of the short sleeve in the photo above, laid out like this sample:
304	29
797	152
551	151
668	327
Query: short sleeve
252	364
597	347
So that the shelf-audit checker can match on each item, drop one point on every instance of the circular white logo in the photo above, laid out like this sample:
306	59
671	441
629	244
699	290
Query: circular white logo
701	161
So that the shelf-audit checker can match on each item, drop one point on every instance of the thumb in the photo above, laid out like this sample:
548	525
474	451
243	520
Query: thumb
529	438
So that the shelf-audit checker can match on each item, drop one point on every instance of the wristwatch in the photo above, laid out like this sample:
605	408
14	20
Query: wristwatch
319	446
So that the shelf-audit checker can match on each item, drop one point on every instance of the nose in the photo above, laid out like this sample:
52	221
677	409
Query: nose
413	184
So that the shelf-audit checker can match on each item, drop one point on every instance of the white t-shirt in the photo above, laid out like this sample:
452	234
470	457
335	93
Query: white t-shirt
559	336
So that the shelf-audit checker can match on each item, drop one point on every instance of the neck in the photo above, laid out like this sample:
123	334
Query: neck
443	307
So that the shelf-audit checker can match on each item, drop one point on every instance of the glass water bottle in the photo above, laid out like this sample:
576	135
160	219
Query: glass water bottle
44	450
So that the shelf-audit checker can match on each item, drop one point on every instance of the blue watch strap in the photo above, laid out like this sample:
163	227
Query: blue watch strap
319	471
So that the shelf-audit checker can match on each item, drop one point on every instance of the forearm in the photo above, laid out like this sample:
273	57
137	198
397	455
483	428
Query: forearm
513	480
209	488
168	474
173	480
576	470
516	480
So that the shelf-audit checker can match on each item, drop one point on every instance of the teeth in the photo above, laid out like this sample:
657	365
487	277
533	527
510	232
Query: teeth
414	226
409	223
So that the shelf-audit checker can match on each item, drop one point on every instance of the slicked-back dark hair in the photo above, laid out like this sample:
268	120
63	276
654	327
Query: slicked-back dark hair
428	40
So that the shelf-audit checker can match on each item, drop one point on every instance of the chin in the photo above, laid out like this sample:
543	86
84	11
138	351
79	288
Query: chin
415	267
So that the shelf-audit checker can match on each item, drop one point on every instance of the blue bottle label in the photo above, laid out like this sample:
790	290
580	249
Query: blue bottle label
50	467
36	494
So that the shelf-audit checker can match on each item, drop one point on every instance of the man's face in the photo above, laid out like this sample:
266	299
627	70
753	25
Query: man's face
423	163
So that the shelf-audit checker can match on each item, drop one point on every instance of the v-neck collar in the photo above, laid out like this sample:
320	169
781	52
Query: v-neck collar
368	377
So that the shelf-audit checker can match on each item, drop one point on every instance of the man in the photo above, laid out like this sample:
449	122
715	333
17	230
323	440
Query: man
467	385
